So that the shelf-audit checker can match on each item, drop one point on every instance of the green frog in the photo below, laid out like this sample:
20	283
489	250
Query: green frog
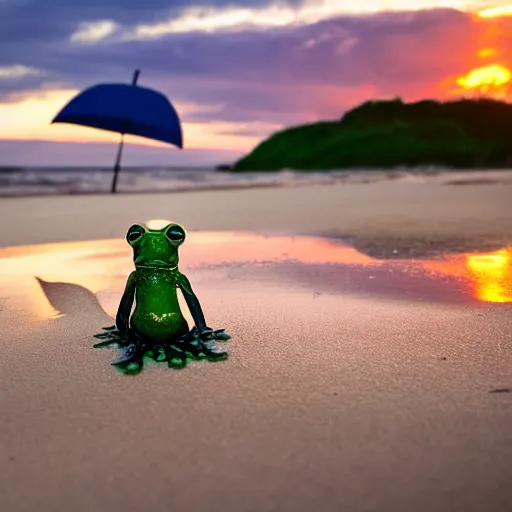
157	327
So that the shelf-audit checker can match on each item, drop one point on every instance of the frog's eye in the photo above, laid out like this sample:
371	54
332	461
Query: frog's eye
175	233
135	233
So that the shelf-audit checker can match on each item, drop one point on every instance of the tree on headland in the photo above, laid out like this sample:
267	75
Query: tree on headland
465	133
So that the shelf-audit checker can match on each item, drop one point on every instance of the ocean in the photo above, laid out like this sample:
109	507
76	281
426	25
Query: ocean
23	181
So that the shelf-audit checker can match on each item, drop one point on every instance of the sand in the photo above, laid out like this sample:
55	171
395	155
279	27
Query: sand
353	383
414	215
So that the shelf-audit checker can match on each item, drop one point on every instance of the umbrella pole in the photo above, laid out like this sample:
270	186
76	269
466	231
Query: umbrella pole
117	166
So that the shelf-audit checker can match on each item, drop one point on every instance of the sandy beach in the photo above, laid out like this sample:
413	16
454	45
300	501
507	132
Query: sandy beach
412	214
359	379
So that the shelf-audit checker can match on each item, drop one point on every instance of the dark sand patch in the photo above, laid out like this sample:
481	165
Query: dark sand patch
412	247
476	181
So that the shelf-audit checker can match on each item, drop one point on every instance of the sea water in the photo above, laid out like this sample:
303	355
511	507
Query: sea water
16	181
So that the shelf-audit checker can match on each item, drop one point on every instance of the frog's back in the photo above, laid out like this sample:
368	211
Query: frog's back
157	311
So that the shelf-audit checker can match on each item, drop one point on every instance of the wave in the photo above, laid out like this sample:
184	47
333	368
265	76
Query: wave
21	181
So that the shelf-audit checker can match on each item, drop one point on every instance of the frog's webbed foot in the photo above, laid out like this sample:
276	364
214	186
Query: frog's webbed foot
200	345
176	357
195	344
110	336
200	349
157	353
130	361
208	335
217	335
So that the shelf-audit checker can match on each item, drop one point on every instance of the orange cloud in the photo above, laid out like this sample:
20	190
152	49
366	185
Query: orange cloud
487	52
493	38
495	12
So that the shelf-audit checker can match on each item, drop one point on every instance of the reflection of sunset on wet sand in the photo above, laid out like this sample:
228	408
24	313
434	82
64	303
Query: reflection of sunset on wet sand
372	359
20	266
492	275
102	266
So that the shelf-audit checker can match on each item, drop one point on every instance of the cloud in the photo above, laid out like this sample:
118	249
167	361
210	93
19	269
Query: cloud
234	84
290	52
233	18
92	32
500	10
17	71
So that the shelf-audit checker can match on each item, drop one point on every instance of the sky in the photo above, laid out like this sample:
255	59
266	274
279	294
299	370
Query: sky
236	71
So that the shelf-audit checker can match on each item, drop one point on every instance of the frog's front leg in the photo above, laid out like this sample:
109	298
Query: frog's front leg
130	361
199	340
119	333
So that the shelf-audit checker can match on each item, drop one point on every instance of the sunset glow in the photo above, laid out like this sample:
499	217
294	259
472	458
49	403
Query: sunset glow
494	12
213	62
29	118
491	81
488	276
487	52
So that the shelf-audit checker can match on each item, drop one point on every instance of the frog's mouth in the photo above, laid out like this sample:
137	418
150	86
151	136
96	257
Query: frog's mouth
156	264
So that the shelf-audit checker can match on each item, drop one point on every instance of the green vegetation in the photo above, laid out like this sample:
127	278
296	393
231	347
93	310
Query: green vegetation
460	134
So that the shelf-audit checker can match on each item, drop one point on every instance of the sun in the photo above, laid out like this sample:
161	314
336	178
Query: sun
496	12
490	81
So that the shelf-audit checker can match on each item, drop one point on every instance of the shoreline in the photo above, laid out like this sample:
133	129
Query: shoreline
52	193
48	183
402	217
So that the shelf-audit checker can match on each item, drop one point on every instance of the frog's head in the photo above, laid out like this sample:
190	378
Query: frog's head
157	248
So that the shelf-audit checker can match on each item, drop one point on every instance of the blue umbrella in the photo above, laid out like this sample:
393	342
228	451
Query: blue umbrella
124	108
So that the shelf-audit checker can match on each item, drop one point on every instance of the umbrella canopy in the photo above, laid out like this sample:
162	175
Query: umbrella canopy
125	109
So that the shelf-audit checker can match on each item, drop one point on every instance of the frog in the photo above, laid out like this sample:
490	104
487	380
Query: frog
157	327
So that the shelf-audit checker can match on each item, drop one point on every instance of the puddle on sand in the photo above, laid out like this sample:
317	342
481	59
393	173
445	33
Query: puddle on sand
101	267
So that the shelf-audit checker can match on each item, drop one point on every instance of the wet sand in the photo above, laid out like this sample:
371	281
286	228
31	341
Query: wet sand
352	384
403	215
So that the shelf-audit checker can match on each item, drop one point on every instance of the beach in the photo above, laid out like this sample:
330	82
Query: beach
370	363
412	213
